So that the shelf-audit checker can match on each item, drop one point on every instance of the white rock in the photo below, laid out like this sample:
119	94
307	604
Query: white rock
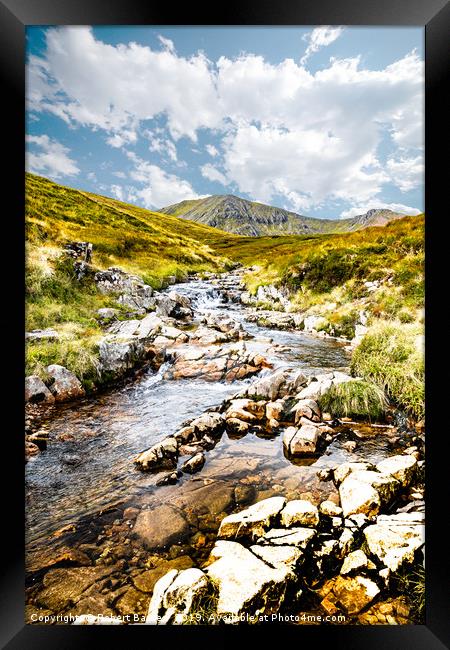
394	539
354	562
385	484
344	470
278	556
253	521
357	496
300	512
156	602
330	509
245	583
300	537
401	467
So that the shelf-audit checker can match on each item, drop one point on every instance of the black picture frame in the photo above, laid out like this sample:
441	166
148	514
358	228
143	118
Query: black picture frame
434	15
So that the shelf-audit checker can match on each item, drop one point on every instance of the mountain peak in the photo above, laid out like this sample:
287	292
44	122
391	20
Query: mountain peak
243	217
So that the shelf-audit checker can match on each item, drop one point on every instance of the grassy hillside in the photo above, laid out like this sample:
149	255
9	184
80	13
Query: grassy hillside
148	244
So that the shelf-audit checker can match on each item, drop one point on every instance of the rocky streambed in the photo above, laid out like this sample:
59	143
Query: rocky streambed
130	505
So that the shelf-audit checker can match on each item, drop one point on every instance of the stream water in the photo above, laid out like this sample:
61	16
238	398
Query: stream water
77	490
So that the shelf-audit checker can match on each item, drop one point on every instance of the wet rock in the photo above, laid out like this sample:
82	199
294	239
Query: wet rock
237	427
401	467
216	364
244	494
245	583
301	513
169	479
132	602
253	521
213	498
394	539
270	387
211	424
246	409
358	497
302	441
63	587
30	450
63	384
174	305
194	464
163	454
393	611
160	527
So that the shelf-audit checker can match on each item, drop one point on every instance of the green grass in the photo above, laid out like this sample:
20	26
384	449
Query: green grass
410	582
355	399
391	355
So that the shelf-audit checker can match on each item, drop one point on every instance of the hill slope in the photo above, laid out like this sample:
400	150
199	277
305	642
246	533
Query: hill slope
242	217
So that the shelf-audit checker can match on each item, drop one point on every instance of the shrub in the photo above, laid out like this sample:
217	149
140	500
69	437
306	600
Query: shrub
355	399
390	355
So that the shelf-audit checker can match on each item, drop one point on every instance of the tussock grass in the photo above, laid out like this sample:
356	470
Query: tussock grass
410	582
355	399
391	355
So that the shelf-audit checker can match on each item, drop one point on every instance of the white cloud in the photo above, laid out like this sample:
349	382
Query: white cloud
51	158
211	173
117	192
285	132
88	82
406	173
163	146
212	150
320	37
376	205
119	174
159	187
166	43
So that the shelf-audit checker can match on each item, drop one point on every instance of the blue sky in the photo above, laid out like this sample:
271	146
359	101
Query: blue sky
326	121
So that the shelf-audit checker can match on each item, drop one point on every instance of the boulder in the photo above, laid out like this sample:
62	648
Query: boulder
330	509
177	602
302	441
245	583
160	527
299	512
163	454
130	290
36	391
344	470
385	484
271	387
358	497
253	521
401	467
394	539
307	408
63	384
355	561
194	464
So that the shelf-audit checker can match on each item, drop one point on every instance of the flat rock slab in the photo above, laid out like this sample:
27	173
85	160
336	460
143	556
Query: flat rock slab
253	521
160	527
300	537
394	539
245	583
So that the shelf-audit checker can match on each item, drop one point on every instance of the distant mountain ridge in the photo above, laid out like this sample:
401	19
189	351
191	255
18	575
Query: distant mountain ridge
242	217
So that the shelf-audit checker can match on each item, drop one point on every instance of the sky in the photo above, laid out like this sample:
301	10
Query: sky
326	121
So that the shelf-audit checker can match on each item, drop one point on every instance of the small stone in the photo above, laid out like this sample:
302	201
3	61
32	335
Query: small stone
354	562
299	512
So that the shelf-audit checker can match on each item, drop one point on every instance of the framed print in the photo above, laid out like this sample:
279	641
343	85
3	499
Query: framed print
225	225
